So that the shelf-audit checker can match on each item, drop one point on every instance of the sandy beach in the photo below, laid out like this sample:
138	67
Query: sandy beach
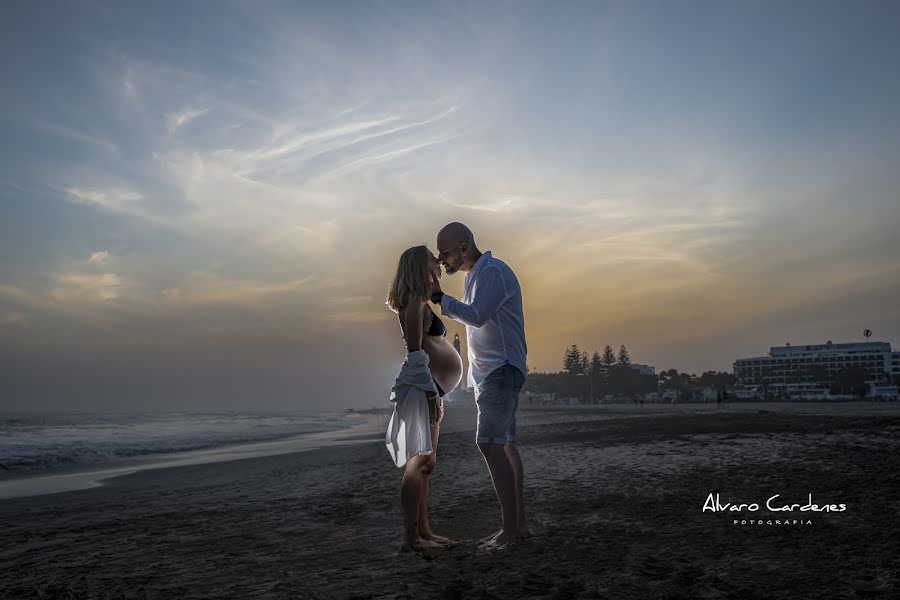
614	494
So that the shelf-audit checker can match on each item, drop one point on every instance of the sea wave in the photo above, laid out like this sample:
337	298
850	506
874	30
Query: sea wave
35	442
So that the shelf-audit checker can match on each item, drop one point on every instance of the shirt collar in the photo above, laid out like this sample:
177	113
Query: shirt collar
482	260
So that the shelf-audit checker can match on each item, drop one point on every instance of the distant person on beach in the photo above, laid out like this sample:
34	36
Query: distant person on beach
427	349
491	309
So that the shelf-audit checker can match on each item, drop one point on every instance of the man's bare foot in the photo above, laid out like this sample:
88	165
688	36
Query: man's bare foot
502	539
433	537
490	537
419	544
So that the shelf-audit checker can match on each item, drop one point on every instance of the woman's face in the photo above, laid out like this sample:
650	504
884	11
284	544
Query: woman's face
433	265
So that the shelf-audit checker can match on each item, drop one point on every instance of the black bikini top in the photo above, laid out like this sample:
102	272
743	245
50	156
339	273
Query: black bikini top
436	327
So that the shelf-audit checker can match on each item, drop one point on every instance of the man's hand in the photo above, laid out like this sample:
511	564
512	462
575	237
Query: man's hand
435	287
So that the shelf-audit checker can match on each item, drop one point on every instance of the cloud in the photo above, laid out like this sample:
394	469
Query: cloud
77	135
183	117
356	300
12	318
99	257
118	200
207	288
13	291
76	287
381	157
350	318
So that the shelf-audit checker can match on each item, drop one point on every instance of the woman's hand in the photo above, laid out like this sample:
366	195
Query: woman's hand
440	411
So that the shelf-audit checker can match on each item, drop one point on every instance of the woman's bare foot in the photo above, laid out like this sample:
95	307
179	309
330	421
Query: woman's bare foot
419	544
433	537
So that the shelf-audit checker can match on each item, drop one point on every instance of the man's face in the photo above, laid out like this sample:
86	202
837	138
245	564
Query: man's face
433	265
450	254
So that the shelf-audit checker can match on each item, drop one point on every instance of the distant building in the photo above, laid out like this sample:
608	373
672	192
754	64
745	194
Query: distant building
709	393
809	371
643	369
537	398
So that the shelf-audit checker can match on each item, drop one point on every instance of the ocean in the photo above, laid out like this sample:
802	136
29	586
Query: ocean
35	443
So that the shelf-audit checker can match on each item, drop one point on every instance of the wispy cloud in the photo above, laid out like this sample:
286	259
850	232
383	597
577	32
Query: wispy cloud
264	188
75	287
13	291
99	258
183	117
12	318
116	200
207	288
72	133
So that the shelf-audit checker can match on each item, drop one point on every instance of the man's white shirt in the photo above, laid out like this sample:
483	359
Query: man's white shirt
491	310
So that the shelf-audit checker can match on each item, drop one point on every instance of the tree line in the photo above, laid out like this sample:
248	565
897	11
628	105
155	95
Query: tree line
590	376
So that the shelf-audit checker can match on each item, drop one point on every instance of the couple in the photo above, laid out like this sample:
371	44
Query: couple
491	310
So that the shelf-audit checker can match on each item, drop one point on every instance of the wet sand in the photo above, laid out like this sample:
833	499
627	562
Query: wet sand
614	495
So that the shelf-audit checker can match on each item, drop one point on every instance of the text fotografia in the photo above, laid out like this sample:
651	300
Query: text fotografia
714	504
772	522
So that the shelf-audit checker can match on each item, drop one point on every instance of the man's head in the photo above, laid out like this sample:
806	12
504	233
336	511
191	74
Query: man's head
456	248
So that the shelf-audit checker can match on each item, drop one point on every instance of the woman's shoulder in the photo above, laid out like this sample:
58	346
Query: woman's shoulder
416	305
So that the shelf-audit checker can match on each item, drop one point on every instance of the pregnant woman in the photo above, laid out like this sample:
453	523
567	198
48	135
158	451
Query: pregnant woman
423	330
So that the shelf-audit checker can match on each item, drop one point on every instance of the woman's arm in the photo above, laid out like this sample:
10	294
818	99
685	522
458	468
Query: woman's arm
413	318
413	315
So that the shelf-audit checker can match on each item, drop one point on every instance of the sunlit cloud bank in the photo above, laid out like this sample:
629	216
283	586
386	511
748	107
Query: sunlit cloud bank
208	211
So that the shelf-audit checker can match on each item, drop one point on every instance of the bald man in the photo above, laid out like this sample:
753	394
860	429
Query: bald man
491	310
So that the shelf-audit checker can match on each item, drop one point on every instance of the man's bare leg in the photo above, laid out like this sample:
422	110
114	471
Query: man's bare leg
504	485
512	452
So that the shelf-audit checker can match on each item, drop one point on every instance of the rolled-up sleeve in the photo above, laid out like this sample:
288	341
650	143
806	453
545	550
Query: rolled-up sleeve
489	296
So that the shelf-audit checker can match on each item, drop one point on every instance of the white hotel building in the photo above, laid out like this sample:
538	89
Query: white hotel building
809	371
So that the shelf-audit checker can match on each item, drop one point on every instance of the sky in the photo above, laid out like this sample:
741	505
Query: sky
203	203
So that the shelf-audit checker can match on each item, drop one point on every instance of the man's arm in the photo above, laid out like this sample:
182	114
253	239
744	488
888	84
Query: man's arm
490	294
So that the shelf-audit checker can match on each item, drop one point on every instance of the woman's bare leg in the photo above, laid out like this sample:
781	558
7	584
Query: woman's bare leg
424	526
410	500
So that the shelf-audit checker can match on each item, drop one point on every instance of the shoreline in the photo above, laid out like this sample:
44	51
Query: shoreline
87	476
459	417
615	506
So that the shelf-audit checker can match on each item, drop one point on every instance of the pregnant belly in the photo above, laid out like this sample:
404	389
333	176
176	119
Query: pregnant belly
443	361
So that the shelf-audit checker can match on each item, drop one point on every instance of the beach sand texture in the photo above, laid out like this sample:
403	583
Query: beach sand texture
614	503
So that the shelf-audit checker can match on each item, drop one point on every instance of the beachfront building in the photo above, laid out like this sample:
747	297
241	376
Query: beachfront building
537	398
811	371
643	369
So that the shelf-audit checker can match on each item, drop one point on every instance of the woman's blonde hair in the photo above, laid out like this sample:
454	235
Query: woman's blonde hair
412	281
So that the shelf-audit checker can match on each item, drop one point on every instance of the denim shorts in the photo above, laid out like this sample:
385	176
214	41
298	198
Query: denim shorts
497	401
